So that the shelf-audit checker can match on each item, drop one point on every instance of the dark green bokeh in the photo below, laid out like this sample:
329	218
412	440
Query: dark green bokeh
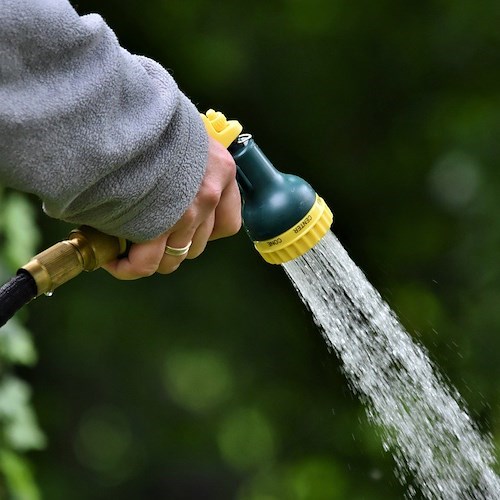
212	383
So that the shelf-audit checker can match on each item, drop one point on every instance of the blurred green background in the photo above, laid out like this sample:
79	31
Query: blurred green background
212	382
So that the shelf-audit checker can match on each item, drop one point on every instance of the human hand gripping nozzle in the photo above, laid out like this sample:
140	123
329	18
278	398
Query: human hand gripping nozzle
282	214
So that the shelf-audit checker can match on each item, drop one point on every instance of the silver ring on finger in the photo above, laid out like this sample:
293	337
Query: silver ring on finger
177	252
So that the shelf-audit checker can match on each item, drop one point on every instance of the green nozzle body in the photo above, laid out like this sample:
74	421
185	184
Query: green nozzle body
282	214
273	202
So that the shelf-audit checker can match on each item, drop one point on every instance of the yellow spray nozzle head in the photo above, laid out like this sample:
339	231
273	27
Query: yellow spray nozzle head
219	128
300	238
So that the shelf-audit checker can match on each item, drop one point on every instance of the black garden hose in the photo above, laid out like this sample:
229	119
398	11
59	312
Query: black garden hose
16	293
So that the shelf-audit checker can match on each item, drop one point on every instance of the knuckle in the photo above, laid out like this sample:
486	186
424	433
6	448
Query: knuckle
231	228
146	270
227	227
189	216
230	165
234	226
168	269
210	197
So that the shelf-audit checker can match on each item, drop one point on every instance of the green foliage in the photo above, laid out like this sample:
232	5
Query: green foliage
19	430
19	230
313	478
246	439
197	380
104	443
19	480
16	344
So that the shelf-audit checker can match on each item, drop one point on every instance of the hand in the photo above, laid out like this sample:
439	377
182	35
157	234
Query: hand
215	213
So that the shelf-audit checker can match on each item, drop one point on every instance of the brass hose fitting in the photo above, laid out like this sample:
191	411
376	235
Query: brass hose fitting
86	249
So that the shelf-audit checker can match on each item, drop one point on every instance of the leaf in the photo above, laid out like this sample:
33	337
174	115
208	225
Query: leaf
20	428
21	233
18	476
16	345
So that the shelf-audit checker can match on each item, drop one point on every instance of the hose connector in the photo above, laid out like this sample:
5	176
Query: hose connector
86	249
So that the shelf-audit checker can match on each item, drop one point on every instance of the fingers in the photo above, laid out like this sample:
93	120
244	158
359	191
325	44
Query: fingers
170	263
177	240
214	213
201	237
228	213
142	260
197	243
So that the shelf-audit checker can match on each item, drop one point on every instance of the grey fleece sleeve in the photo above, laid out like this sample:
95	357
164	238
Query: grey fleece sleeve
103	137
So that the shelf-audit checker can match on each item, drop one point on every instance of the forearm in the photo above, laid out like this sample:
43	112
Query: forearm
101	136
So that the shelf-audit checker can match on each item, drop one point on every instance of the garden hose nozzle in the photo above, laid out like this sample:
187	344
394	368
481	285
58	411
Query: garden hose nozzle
282	214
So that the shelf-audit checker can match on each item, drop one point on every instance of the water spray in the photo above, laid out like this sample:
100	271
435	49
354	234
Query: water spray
282	215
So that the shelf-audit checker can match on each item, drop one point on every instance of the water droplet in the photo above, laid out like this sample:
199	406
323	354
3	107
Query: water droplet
49	293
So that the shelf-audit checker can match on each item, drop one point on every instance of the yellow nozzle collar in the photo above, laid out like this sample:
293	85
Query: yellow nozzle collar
219	128
300	238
